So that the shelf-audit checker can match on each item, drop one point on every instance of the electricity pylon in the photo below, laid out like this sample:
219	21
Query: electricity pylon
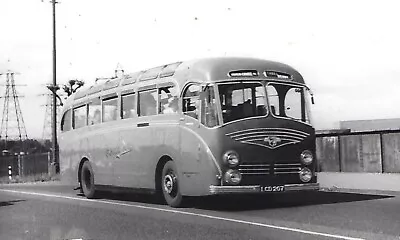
12	122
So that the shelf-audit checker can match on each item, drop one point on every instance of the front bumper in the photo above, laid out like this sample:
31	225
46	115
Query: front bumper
257	188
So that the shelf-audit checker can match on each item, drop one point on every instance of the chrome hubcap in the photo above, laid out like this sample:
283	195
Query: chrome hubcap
170	183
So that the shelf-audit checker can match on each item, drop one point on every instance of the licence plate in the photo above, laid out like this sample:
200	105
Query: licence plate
272	188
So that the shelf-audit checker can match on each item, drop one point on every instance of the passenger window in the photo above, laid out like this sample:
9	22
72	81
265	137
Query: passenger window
80	117
128	109
191	101
66	121
110	107
94	115
148	103
168	100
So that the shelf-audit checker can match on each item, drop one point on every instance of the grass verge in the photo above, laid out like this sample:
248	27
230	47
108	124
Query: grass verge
42	177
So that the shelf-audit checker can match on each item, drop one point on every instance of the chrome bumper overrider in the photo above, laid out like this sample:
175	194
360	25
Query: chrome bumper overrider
257	188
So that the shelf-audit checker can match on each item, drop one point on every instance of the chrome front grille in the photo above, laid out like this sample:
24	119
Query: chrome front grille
287	168
265	169
271	138
254	169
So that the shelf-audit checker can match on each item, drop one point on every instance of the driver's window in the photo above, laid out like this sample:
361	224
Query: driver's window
209	116
190	105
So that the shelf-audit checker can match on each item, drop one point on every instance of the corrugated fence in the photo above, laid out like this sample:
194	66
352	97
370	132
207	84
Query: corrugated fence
25	165
372	152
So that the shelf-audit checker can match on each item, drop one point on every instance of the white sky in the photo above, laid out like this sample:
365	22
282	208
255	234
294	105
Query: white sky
347	51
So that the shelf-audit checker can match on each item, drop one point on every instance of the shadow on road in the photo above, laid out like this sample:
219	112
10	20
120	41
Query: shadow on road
10	203
127	196
250	202
283	200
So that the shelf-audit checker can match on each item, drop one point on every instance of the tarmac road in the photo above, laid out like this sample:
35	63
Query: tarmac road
56	211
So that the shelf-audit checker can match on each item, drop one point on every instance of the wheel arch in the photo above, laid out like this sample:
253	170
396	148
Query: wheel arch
160	164
83	160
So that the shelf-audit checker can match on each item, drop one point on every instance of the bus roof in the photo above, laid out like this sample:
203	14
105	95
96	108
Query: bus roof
203	70
230	68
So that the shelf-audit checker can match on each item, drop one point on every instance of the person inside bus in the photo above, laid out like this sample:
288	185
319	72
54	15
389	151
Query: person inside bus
96	117
171	106
247	108
226	104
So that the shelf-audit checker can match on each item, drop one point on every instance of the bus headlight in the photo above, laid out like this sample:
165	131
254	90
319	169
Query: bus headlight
231	158
305	175
306	157
233	177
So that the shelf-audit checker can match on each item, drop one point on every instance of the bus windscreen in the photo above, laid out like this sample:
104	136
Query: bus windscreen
241	100
288	101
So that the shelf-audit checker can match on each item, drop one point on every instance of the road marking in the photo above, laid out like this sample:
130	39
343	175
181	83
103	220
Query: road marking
190	214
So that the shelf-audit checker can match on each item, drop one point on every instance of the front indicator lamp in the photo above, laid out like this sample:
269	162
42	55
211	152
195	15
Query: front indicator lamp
305	175
306	157
231	158
232	177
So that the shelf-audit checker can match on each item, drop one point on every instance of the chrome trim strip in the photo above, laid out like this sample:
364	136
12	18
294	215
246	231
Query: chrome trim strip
254	165
303	186
255	173
233	189
275	133
287	164
257	188
253	169
261	137
261	145
257	136
288	168
270	129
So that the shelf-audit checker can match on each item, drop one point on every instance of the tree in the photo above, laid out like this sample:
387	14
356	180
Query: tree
72	86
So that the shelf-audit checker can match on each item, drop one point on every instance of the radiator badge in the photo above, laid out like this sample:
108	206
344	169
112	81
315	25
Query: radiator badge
272	141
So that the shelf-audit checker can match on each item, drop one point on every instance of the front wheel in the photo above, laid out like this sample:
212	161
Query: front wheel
87	180
170	185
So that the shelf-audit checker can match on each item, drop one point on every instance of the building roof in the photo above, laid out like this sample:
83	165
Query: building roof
371	125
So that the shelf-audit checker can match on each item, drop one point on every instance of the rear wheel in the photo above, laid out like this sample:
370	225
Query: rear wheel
170	185
87	180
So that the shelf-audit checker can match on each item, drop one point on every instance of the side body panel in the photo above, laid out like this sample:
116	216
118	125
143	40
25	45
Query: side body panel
198	167
142	143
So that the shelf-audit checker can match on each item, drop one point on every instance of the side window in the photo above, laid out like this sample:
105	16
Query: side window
94	116
128	106
148	103
66	122
209	116
110	109
168	100
80	117
190	101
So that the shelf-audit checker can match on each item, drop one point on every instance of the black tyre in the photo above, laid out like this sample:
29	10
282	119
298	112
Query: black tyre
87	180
170	185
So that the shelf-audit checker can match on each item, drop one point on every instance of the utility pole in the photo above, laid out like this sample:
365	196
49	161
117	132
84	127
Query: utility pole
55	161
47	124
